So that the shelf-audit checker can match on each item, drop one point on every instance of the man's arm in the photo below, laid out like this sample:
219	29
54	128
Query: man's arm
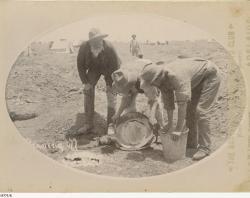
183	95
125	101
168	101
114	60
81	64
170	113
156	112
138	45
182	108
155	107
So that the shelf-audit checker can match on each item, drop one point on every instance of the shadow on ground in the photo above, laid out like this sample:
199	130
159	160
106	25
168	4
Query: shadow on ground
83	139
109	149
154	154
138	156
190	152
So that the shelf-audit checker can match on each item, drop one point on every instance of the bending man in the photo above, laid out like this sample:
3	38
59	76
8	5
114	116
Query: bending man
194	82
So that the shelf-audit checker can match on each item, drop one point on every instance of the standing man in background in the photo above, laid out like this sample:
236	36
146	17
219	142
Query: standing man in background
134	46
96	57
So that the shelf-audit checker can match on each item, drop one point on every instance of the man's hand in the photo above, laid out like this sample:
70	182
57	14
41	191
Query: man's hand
115	117
152	120
167	128
176	135
156	128
87	87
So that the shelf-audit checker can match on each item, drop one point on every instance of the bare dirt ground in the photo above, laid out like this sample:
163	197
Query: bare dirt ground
47	84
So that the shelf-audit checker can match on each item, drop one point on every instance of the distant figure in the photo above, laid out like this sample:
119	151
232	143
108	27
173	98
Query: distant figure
134	46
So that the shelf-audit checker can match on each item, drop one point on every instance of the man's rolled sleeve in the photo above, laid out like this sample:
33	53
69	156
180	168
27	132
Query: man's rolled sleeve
183	93
182	88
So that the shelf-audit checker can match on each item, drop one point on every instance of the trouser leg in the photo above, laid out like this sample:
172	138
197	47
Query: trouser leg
89	100
208	95
111	98
191	118
111	101
204	134
191	123
133	52
89	97
136	53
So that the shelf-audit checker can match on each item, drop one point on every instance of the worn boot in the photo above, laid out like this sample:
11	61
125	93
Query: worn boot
204	132
204	139
201	153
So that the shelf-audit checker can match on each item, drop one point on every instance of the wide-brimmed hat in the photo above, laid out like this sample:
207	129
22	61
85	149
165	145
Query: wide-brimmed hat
123	81
150	75
95	33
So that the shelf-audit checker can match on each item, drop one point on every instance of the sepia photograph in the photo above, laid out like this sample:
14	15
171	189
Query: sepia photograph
128	96
114	96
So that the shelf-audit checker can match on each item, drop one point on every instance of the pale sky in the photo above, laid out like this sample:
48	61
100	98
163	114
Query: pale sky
121	27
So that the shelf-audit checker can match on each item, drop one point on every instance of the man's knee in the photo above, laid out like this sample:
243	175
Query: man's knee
201	114
90	91
110	92
93	77
111	97
130	109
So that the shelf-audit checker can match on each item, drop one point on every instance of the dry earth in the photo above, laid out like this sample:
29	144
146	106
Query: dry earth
46	84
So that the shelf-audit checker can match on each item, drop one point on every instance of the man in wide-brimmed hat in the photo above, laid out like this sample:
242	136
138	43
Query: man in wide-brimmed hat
126	82
96	57
194	84
134	47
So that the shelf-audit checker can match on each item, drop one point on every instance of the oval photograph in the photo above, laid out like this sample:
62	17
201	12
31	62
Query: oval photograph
126	95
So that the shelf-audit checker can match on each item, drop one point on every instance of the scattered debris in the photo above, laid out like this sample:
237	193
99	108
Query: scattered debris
83	158
74	89
105	140
235	91
79	91
19	117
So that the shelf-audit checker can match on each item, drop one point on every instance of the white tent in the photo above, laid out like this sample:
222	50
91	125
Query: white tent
62	46
77	43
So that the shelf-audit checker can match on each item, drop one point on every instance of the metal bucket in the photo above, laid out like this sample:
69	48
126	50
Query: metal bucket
174	150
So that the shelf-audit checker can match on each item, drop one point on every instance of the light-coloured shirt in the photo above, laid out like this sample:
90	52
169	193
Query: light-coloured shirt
134	45
136	65
181	77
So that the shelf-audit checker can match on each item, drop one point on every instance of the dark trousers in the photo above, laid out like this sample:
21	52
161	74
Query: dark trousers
89	97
